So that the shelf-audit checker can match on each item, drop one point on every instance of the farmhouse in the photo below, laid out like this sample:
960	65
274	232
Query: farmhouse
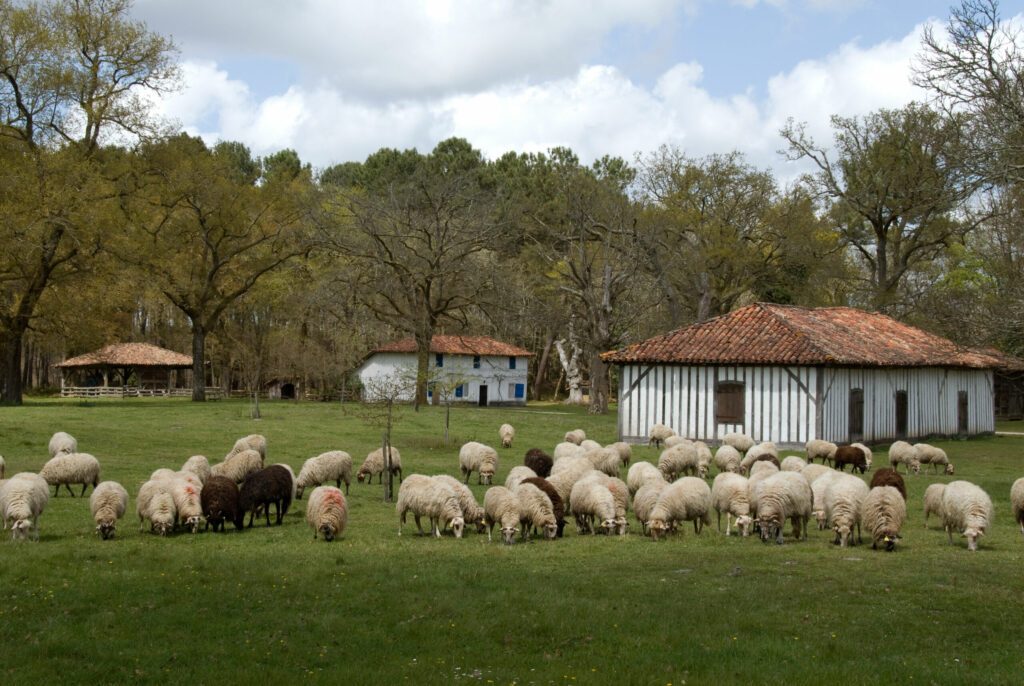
479	370
792	374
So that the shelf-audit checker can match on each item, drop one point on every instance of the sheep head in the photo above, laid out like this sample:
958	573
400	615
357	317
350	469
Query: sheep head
508	534
162	528
106	529
193	523
506	443
743	523
20	529
328	531
481	525
822	520
657	527
299	490
771	528
842	534
621	526
915	466
608	526
458	524
486	477
361	475
972	534
702	470
949	469
550	530
890	541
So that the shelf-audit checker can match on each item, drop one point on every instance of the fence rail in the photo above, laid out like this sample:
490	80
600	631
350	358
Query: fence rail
133	392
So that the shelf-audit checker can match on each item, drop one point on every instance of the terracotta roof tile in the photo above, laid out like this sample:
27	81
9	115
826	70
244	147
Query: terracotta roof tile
780	334
129	355
457	345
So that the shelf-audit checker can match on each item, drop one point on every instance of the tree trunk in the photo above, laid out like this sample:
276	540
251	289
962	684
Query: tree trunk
598	385
542	365
422	369
570	363
704	301
198	362
10	384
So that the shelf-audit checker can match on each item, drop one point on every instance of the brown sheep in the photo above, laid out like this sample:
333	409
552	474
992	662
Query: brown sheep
889	477
539	461
849	455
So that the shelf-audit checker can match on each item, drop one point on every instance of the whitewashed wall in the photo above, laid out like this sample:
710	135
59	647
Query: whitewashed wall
494	373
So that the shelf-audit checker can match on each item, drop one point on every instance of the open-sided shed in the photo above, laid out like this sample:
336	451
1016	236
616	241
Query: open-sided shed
154	369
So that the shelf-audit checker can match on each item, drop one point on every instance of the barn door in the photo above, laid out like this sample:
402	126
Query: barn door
901	414
856	414
962	413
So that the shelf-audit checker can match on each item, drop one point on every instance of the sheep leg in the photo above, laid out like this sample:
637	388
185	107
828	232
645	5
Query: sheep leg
720	522
728	523
56	491
419	527
68	486
84	486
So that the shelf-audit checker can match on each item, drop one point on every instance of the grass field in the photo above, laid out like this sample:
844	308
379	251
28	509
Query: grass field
273	606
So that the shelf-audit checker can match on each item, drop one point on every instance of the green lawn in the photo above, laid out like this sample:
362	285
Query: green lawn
273	606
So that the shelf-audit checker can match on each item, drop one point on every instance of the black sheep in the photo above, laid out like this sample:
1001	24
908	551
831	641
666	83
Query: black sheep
219	499
539	461
850	455
270	485
557	506
889	477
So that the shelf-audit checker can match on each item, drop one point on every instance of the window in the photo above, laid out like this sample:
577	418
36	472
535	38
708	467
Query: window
511	362
458	390
438	360
520	391
729	402
476	362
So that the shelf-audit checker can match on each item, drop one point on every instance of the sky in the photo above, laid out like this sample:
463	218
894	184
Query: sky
336	80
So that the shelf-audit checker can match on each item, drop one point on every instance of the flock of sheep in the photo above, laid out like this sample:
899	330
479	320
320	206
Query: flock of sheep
753	488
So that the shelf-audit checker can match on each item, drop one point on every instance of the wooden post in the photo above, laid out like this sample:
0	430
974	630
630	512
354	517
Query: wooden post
389	482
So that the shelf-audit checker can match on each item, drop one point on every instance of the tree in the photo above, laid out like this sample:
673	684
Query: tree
72	74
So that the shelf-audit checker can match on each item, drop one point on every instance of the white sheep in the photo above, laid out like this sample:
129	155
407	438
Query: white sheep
793	464
783	496
186	492
587	445
843	499
198	465
759	471
903	453
23	498
107	504
1016	502
929	454
295	481
565	473
813	471
818	487
640	474
576	436
373	465
251	442
156	503
620	496
517	474
867	453
646	498
334	465
759	453
239	466
739	441
472	513
882	514
729	494
657	435
933	501
506	432
327	512
480	458
967	509
62	444
426	497
566	449
607	460
624	450
501	506
680	459
162	473
675	440
728	459
535	511
591	502
74	468
819	449
685	500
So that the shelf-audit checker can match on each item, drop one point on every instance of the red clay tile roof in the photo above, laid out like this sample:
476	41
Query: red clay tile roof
457	345
780	334
129	355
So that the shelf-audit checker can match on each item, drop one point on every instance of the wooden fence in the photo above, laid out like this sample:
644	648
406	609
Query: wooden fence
133	392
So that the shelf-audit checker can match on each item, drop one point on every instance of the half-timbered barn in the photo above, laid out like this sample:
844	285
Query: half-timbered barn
791	374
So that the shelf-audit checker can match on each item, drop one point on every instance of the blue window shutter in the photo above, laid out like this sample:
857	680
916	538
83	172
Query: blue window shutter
476	362
439	360
520	390
458	391
511	362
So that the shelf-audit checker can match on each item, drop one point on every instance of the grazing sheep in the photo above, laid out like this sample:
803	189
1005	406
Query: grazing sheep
657	435
843	499
156	504
219	499
162	473
269	486
472	513
793	464
929	454
425	497
334	465
588	445
62	444
74	468
198	465
675	440
605	460
783	496
187	498
23	498
813	471
903	453
882	514
825	450
501	506
641	473
566	472
933	501
680	459
889	477
729	494
624	450
1016	503
867	453
477	457
239	466
741	442
535	511
327	512
576	436
849	455
759	453
728	459
107	504
646	498
251	442
818	487
373	465
566	449
506	432
967	509
620	496
557	504
539	461
516	476
758	473
685	500
591	502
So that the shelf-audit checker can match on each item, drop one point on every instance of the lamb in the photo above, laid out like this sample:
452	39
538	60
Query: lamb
729	494
741	442
658	434
251	442
334	465
933	501
1016	502
23	498
506	432
929	454
680	459
640	474
327	512
472	513
818	487
758	453
198	465
107	504
813	471
867	452
535	510
566	449
968	509
74	468
477	457
728	459
239	466
156	504
882	514
843	499
62	444
646	498
271	485
592	502
605	460
782	496
576	436
587	445
849	455
539	461
373	465
825	450
425	497
501	506
793	464
688	499
516	476
624	450
557	504
903	453
219	499
889	477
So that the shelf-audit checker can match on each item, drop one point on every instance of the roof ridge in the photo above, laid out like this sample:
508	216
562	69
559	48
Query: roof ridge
809	341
